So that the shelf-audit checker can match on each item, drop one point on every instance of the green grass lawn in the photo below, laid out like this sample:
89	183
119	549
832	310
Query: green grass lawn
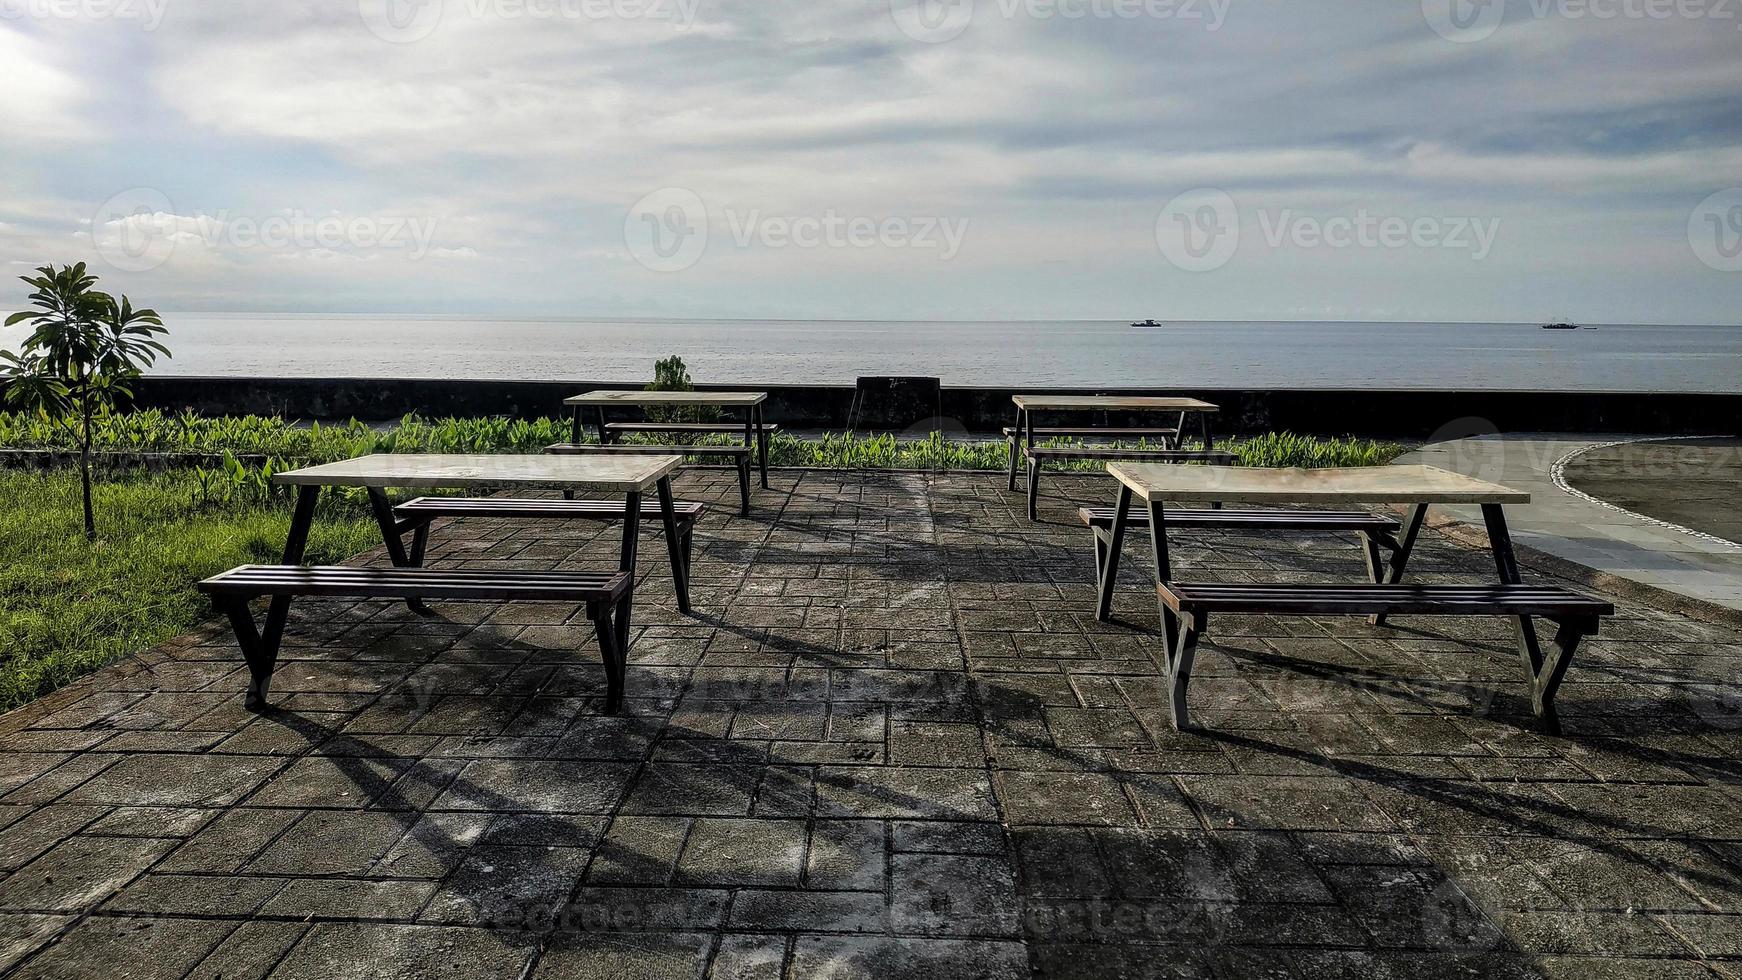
69	606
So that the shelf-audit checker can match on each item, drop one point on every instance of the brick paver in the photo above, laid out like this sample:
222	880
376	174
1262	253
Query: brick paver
891	742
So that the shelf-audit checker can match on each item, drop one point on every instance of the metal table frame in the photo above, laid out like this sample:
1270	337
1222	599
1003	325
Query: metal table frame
1028	405
1492	501
750	402
309	482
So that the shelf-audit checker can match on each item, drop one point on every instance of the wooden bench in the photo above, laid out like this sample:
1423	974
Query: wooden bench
1576	616
739	456
232	591
690	428
1377	533
1037	454
417	514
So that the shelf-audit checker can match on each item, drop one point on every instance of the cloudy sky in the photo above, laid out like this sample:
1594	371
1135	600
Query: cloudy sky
1223	159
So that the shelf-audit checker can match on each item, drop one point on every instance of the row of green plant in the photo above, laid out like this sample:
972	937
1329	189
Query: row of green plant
159	432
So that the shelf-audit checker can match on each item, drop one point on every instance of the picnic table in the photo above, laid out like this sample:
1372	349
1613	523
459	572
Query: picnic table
631	476
1021	436
1186	608
756	429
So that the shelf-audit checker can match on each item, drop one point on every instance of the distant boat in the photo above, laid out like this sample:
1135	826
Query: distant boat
1560	325
1145	323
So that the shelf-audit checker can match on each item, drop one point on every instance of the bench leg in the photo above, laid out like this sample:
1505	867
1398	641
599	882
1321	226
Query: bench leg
1374	558
1400	555
1015	444
261	659
1109	566
762	446
1033	488
674	547
612	655
383	510
1179	667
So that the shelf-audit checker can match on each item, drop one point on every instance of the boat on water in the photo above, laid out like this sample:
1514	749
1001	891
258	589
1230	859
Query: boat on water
1560	325
1145	323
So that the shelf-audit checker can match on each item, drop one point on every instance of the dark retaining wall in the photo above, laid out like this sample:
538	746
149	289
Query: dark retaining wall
908	404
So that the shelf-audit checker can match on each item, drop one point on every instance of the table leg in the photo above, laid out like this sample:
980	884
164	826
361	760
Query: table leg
604	437
1400	557
575	426
295	544
631	539
1015	446
1204	427
1179	434
680	571
383	510
1110	567
1163	571
1506	564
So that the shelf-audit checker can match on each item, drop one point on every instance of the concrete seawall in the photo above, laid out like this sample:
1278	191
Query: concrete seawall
922	404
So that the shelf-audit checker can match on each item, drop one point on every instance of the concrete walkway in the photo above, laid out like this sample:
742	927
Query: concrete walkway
1569	527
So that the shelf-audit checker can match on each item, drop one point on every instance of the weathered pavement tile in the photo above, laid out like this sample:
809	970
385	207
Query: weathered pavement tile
893	743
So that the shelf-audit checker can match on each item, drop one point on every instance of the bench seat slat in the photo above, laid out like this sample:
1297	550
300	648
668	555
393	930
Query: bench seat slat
1109	452
535	508
1351	520
706	427
1365	599
1131	432
410	583
573	448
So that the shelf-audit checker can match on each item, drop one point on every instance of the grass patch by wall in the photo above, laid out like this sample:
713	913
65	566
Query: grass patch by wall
68	606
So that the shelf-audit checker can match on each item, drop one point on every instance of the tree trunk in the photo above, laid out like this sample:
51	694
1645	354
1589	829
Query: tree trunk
85	471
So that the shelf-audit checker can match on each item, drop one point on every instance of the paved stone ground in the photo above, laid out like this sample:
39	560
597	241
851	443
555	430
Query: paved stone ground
892	744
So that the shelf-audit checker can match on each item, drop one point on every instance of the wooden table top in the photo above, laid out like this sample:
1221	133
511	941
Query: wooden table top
1335	486
454	471
724	399
1114	403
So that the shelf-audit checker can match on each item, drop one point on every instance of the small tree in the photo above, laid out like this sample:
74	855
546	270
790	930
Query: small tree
670	374
84	351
